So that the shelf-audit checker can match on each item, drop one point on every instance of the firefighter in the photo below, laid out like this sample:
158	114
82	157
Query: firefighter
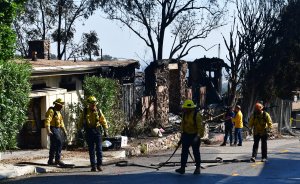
191	132
228	126
261	123
54	124
238	126
91	120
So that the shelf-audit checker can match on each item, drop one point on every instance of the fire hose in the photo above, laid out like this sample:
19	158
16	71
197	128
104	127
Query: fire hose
167	163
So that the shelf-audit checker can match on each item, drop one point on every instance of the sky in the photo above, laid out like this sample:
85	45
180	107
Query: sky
118	41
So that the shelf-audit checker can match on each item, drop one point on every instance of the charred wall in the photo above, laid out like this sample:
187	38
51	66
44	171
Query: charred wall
157	90
177	87
164	90
206	72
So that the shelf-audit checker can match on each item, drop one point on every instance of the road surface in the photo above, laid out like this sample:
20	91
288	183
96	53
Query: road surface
283	166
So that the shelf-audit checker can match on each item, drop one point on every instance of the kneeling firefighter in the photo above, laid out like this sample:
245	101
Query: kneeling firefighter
192	130
91	120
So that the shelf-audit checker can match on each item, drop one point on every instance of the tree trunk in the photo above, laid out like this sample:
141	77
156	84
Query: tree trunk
59	56
43	21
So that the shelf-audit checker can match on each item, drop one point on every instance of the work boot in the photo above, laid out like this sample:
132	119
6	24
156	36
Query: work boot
93	169
223	144
50	162
239	144
252	159
180	170
197	170
60	163
264	160
99	168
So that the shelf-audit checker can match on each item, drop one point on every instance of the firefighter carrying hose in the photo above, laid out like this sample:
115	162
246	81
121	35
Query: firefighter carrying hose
91	120
54	124
192	130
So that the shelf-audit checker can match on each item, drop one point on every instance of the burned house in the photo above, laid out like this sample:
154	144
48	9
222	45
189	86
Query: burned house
205	80
164	90
169	82
52	79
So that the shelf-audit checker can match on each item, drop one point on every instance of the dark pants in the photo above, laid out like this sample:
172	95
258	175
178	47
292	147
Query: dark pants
56	143
238	136
187	141
93	138
228	132
264	146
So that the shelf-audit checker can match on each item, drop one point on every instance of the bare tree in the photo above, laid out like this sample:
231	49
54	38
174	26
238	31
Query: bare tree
257	23
236	53
153	20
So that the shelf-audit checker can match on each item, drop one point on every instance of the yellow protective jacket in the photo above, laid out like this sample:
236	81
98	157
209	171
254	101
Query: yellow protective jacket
238	120
189	126
260	123
94	119
54	118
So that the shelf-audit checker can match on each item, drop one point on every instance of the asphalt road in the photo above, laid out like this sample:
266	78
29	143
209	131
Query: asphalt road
283	166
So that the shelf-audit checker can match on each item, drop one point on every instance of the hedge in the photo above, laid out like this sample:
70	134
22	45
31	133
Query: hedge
14	99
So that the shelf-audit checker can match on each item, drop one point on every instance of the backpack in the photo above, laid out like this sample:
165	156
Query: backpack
264	117
55	113
195	122
84	118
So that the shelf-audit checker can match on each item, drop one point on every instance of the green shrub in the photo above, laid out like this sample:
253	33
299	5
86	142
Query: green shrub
73	115
107	92
14	99
8	11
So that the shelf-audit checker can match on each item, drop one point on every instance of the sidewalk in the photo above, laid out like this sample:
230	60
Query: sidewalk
9	167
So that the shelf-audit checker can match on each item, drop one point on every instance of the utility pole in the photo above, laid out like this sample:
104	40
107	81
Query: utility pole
219	50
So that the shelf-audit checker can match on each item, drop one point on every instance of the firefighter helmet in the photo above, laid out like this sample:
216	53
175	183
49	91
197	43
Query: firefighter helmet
188	104
92	100
59	101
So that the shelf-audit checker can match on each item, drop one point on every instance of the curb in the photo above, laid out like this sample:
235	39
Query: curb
10	171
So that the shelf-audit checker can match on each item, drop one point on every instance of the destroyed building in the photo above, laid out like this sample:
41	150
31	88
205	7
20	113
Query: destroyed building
169	82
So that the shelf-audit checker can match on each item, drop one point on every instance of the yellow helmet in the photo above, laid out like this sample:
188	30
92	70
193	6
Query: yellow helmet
59	101
188	104
92	100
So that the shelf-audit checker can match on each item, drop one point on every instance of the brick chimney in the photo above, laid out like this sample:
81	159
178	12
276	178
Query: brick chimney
41	47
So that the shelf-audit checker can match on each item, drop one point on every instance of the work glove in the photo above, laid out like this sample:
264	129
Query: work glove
250	132
105	133
49	131
80	134
268	132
